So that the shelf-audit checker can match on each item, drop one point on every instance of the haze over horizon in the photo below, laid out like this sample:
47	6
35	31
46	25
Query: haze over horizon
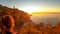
46	18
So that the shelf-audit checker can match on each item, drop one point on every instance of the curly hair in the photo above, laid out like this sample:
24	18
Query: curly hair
7	22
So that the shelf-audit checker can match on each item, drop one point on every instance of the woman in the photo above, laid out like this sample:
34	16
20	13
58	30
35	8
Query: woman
8	24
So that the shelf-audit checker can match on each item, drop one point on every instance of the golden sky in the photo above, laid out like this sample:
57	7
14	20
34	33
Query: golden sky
30	6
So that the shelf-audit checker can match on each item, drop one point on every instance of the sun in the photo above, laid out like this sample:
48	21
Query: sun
30	9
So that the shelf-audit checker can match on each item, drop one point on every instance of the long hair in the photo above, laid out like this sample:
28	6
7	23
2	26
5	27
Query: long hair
7	22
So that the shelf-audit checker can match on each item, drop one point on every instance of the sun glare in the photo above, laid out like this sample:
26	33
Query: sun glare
30	9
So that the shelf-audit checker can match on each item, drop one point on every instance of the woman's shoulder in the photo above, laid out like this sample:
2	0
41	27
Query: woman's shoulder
7	32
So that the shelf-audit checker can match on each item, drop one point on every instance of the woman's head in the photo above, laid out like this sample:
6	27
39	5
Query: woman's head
8	21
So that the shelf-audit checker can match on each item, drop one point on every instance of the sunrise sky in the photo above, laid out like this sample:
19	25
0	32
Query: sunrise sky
33	5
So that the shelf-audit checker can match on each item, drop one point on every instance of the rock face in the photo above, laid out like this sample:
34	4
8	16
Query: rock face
21	18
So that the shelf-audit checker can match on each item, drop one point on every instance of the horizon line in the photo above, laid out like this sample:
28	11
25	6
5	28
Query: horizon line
46	13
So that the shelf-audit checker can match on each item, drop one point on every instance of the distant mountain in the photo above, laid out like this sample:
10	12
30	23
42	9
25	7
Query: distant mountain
46	13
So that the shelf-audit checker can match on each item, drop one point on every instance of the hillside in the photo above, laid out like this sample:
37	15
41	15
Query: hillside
19	16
